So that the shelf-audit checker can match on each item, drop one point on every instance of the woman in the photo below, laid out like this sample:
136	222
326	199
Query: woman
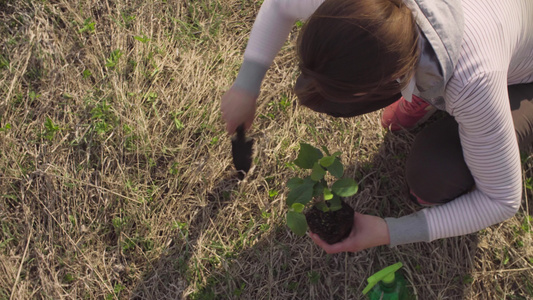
471	58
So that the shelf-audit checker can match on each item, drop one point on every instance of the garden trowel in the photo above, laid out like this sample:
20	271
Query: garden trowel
241	149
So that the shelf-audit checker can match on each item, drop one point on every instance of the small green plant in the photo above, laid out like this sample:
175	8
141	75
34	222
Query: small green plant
113	58
86	73
33	96
327	196
4	62
88	26
177	123
142	38
69	278
102	117
50	129
117	289
6	127
314	277
529	183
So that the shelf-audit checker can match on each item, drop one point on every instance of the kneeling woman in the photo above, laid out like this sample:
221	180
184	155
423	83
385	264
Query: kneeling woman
471	58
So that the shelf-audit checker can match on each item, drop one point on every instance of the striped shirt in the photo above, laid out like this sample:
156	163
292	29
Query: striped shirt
497	51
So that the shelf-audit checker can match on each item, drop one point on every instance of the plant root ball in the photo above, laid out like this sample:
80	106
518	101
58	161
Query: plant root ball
331	227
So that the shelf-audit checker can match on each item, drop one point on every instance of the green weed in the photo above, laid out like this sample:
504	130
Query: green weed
69	278
5	127
88	26
142	38
50	129
526	224
4	62
174	169
33	96
72	220
127	19
314	277
112	60
117	289
177	122
103	119
86	73
130	138
118	224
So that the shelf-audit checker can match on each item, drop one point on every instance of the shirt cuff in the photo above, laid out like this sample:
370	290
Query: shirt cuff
408	229
250	76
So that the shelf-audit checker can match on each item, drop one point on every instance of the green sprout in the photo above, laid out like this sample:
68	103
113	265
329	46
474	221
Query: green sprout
88	26
113	58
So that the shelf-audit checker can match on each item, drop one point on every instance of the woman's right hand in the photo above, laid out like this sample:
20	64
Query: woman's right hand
238	107
367	232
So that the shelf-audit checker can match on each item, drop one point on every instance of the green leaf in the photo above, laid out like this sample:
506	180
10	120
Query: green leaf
307	156
335	203
297	223
318	189
326	161
345	187
301	194
298	207
143	39
336	169
6	127
294	182
112	61
327	194
336	154
67	96
318	172
87	73
322	206
87	26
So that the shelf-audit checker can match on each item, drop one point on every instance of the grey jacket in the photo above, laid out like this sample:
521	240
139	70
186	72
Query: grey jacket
441	24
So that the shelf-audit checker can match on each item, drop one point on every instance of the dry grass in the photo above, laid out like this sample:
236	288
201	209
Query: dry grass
116	181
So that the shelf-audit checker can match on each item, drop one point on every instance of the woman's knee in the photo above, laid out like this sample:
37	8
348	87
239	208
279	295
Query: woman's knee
521	100
435	170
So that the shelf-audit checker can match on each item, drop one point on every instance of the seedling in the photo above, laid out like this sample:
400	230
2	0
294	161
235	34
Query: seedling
50	129
86	73
326	190
143	39
88	26
113	58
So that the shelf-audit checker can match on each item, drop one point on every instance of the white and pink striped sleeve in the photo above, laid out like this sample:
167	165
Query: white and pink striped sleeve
269	32
491	152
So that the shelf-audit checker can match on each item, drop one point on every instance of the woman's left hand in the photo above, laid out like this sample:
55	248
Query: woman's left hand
367	232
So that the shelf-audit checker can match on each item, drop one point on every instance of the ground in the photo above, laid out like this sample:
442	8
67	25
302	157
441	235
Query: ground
116	178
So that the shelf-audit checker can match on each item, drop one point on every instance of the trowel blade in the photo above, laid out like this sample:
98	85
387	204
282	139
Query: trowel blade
242	150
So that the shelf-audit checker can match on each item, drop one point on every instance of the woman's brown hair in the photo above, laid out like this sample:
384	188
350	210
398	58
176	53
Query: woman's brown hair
351	53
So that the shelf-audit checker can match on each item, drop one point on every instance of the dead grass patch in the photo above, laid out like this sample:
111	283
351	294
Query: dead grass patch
116	177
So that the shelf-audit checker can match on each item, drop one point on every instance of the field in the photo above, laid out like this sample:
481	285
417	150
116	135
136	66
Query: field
116	179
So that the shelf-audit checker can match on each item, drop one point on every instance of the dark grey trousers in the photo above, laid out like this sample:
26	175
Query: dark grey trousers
436	171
